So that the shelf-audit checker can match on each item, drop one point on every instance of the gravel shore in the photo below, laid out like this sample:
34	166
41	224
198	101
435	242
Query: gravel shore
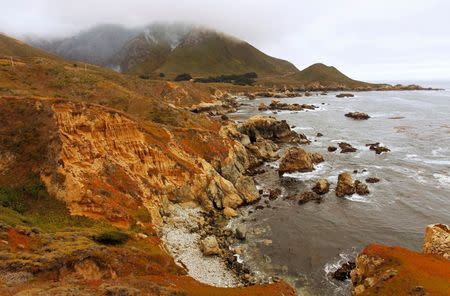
181	238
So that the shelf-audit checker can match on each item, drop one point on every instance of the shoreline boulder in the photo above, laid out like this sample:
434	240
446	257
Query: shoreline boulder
345	185
358	115
322	187
296	159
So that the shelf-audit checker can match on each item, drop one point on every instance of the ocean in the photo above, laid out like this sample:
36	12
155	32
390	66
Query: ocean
310	241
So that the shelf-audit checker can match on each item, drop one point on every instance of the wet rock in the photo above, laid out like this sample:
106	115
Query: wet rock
343	272
319	135
263	107
317	158
210	246
241	232
266	127
263	150
361	188
296	159
377	148
277	105
308	196
322	187
358	115
372	180
346	147
332	148
274	193
345	185
345	95
437	240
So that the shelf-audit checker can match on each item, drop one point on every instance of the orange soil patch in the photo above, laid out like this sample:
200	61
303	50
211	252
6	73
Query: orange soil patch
415	269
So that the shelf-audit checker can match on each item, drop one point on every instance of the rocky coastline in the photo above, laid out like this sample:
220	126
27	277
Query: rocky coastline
262	137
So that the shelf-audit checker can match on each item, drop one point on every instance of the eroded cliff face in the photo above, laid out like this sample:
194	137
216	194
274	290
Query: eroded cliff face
112	167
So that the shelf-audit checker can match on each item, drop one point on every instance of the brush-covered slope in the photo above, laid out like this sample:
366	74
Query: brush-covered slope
10	47
326	76
206	52
169	48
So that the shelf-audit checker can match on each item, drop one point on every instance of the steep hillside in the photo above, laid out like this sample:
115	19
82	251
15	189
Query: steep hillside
169	48
95	46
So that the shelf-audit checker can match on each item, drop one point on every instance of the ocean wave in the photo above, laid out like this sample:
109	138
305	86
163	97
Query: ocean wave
444	180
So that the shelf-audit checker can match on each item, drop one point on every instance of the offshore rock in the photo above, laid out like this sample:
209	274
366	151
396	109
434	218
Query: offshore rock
296	159
437	240
345	185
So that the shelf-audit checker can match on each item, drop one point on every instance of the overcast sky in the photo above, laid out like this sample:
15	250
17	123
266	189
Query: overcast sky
366	39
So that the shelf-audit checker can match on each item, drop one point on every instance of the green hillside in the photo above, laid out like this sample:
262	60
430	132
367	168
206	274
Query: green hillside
325	75
210	53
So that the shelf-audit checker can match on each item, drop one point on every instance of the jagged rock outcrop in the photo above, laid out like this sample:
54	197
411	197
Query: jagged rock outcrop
437	240
345	185
296	159
386	270
266	127
377	148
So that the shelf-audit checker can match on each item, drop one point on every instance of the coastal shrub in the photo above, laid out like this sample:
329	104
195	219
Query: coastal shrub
183	77
113	237
238	79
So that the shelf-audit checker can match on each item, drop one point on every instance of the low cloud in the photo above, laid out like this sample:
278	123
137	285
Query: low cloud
368	40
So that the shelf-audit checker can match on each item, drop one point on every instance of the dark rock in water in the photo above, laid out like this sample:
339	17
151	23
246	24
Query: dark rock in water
332	148
361	188
274	193
345	95
323	94
259	207
306	197
317	157
322	187
224	117
372	180
241	232
343	273
355	171
345	185
319	135
346	148
358	115
377	148
255	171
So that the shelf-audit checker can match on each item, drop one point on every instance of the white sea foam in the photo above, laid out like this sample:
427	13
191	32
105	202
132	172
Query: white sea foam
358	198
320	169
444	180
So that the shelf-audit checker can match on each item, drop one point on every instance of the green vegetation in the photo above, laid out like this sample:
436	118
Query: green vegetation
324	74
238	79
183	77
31	205
113	237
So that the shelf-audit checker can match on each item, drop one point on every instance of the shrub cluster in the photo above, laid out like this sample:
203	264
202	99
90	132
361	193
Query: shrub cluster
239	79
114	237
183	77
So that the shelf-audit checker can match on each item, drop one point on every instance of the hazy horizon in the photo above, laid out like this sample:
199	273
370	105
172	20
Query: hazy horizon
371	41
